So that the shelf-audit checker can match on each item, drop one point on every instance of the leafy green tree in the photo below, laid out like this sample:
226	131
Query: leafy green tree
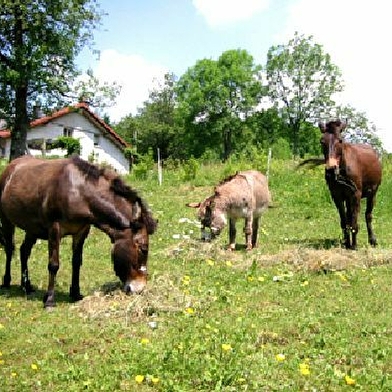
301	82
39	41
359	128
154	126
214	100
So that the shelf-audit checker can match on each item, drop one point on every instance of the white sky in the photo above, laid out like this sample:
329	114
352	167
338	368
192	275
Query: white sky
143	41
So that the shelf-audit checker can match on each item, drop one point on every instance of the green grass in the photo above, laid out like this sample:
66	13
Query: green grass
212	320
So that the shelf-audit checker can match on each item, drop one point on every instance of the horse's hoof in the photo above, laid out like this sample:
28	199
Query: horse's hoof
75	294
6	282
48	301
28	288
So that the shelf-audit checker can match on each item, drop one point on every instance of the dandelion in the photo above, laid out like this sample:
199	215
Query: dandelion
304	283
14	374
155	380
144	341
139	378
210	262
34	366
250	278
261	279
189	310
226	347
349	380
280	357
304	369
229	263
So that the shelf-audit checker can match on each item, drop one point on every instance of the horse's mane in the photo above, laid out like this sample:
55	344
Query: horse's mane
117	186
91	171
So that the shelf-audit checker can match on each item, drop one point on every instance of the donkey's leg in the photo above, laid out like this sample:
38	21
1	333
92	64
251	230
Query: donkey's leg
54	262
248	232
232	233
255	230
77	258
8	230
25	251
370	200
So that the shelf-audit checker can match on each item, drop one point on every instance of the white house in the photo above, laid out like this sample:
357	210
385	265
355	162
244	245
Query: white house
99	143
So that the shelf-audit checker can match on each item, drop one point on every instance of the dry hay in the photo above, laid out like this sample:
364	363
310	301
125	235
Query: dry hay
110	302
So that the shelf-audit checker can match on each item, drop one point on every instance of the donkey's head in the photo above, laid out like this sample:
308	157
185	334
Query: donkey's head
210	216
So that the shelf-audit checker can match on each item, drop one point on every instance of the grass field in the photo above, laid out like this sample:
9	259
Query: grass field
298	313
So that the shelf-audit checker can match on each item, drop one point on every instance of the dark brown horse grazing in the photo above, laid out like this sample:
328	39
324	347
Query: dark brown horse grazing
352	172
50	199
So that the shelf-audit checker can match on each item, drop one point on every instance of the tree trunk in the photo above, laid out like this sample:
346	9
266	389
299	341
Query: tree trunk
21	124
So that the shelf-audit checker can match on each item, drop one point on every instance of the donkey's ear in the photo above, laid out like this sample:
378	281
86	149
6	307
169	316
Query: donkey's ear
193	205
322	127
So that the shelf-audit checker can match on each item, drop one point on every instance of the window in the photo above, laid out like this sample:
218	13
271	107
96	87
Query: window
96	139
67	132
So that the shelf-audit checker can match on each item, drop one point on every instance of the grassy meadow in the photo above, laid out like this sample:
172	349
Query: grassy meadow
298	313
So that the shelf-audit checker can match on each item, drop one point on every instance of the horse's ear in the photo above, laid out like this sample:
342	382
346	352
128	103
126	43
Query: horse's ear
193	205
322	127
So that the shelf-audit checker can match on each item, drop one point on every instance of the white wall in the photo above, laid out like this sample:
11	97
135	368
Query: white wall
106	152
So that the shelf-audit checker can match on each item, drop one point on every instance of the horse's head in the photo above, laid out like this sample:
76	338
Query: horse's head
210	217
130	253
331	143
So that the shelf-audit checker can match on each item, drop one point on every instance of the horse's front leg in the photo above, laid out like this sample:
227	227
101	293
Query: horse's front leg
248	232
232	233
343	222
54	262
354	208
369	217
77	259
25	251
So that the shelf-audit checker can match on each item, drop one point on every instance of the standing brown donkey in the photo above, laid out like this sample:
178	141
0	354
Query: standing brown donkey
242	195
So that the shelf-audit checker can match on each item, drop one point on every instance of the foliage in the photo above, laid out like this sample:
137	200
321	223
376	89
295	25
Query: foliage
290	315
89	89
70	144
301	82
154	126
39	41
214	98
144	166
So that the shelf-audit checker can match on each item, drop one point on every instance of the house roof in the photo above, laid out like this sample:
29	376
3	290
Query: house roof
83	108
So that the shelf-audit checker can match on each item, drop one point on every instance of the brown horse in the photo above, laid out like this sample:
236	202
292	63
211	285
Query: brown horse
50	199
242	195
352	172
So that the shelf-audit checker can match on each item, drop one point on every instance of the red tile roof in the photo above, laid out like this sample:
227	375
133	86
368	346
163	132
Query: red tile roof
84	109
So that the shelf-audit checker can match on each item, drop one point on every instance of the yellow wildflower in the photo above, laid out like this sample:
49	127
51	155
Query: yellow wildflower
190	310
144	341
226	347
229	263
304	369
34	366
349	380
155	380
261	279
280	357
210	262
2	362
139	378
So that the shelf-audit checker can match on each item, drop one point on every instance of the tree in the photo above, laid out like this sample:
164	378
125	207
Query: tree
301	83
154	126
215	98
359	128
39	40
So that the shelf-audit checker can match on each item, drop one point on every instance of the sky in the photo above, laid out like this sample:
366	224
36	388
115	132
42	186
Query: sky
139	41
